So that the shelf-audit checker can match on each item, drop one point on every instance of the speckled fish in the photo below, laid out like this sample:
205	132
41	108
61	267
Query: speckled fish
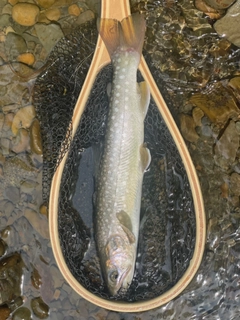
125	157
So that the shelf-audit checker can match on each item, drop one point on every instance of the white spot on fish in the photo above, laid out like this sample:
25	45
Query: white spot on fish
122	76
116	102
117	94
126	98
119	60
117	67
118	86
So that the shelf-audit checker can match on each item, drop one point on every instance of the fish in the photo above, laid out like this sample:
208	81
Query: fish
124	157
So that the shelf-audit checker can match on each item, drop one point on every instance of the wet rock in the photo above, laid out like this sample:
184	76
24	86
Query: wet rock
87	15
22	313
46	3
234	84
49	35
11	272
218	104
5	20
44	209
53	14
12	194
4	312
27	58
25	14
20	143
35	137
36	278
187	126
23	119
7	207
74	10
197	115
226	147
8	120
3	247
40	308
208	10
228	26
219	4
14	45
38	222
5	146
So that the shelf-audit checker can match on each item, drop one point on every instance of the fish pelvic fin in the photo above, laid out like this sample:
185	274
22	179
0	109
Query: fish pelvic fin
126	225
145	157
129	33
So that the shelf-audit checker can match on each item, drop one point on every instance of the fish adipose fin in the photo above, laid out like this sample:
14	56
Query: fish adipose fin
129	33
126	225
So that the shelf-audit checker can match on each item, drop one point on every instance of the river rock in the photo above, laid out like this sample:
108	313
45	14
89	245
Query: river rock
38	222
219	4
12	194
45	3
228	26
23	118
187	126
208	10
35	137
53	14
49	35
27	58
20	143
87	15
15	45
218	104
226	147
5	20
22	313
40	308
25	14
11	271
74	10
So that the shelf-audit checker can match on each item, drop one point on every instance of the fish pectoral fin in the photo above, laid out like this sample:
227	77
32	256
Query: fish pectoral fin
130	235
126	225
145	96
145	157
109	89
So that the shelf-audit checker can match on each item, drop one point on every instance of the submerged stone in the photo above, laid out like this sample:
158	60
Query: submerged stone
228	26
11	272
218	104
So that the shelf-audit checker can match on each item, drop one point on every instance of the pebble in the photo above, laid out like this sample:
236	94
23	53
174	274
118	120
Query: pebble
12	194
15	45
228	26
40	308
48	35
227	146
7	9
27	58
87	15
219	4
35	138
74	10
23	118
187	126
20	142
39	223
25	14
22	313
53	14
45	3
208	10
5	20
5	146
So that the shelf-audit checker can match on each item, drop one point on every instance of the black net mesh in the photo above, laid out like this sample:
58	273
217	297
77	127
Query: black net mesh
167	228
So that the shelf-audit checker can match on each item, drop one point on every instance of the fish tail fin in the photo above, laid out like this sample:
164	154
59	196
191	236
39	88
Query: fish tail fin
129	33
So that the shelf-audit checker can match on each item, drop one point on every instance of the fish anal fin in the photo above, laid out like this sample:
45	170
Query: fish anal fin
145	157
145	96
126	225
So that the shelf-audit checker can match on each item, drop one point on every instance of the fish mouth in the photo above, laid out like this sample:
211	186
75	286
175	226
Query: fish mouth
119	288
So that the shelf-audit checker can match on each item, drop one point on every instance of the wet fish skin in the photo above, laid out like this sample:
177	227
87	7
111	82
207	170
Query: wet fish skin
124	158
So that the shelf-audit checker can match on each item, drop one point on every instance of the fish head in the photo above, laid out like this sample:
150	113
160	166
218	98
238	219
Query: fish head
119	265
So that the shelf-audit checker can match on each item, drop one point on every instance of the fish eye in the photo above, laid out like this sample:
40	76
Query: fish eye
113	276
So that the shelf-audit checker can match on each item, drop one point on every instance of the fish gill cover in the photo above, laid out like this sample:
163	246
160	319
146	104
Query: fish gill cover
167	226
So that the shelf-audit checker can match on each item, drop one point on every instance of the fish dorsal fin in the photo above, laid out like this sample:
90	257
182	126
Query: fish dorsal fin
145	96
145	157
126	225
128	33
